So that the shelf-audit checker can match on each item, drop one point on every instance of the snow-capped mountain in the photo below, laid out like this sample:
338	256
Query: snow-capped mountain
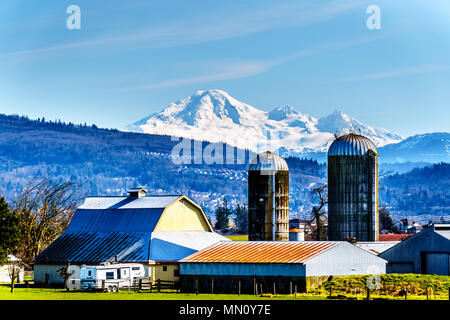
215	116
428	147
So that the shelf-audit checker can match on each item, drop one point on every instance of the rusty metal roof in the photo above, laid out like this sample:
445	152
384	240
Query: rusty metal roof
268	161
351	145
261	251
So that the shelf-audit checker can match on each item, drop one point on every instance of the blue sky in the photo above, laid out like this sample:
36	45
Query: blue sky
132	58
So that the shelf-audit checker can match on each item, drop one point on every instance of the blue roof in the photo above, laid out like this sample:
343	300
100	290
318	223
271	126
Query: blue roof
86	247
114	220
103	229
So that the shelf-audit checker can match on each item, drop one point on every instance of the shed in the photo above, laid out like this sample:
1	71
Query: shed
5	269
427	252
156	231
278	264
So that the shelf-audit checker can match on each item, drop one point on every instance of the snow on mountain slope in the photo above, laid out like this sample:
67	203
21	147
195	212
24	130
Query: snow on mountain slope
429	147
215	116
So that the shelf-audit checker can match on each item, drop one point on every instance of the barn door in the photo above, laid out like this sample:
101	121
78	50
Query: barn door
438	263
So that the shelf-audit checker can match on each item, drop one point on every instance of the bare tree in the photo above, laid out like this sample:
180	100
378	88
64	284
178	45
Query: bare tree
14	269
318	217
45	208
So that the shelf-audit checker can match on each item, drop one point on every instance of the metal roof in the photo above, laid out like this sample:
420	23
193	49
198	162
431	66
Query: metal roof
113	220
88	247
173	246
104	228
351	145
261	252
147	202
376	247
444	233
85	247
268	161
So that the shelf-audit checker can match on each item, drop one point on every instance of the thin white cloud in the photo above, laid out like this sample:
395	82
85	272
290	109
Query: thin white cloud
238	70
228	72
211	27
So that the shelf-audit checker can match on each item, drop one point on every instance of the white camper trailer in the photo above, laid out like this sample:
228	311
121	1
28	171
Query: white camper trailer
108	276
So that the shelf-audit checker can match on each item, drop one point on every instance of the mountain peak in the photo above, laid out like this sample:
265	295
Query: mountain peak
282	113
213	115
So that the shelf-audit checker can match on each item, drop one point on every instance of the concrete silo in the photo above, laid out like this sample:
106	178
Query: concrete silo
268	198
353	189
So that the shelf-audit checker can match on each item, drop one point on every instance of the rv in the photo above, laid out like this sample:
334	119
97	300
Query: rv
108	276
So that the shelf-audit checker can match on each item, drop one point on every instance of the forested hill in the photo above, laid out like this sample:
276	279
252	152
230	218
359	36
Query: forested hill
108	162
424	191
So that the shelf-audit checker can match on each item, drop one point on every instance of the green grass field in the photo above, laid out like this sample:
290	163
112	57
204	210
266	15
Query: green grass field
238	237
61	294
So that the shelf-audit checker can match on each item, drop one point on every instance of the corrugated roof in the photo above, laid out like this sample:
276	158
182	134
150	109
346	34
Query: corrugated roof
394	236
87	247
376	247
351	145
444	233
103	228
79	247
261	252
147	202
268	161
112	220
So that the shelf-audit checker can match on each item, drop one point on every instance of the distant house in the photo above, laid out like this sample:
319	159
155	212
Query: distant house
5	270
427	252
156	231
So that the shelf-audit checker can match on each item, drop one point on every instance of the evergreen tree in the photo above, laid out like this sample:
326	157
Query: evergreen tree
222	214
9	231
241	219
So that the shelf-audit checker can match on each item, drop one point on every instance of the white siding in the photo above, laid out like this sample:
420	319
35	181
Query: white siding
345	259
40	270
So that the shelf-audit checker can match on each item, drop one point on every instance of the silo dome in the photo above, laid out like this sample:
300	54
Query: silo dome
351	144
268	161
353	189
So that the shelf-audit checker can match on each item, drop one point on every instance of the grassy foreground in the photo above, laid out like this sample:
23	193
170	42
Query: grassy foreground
61	294
344	287
238	237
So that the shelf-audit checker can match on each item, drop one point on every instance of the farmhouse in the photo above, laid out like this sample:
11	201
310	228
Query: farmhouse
274	265
156	231
427	252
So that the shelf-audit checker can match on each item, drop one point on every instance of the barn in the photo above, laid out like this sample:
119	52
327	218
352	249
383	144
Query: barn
427	252
156	231
273	265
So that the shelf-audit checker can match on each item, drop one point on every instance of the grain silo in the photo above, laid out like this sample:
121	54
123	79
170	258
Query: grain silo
353	189
268	198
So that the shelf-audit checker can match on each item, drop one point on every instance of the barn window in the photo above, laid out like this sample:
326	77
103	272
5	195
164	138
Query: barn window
164	268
